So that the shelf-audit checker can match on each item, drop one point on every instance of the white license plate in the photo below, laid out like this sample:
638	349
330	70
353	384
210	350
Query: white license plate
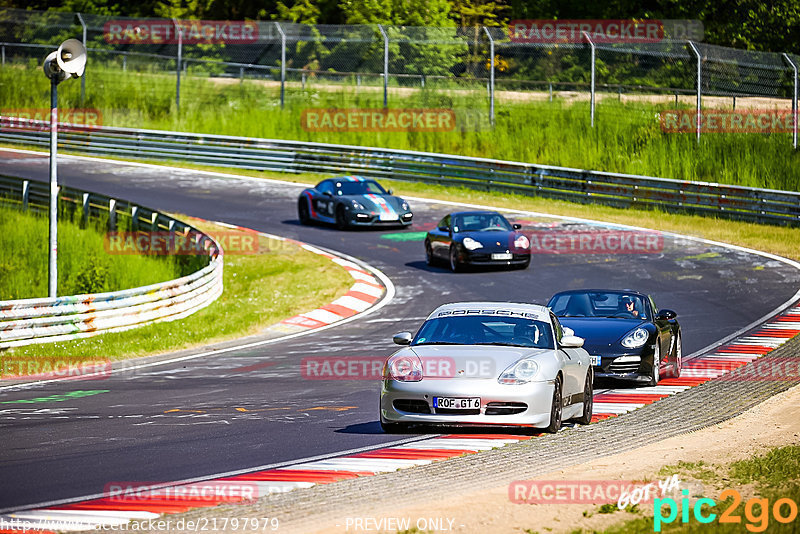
596	360
388	217
502	256
457	403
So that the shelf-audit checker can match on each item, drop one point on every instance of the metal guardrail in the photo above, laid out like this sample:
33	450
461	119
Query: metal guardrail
28	321
575	185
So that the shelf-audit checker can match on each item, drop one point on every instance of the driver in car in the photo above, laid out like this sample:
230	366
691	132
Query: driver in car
630	307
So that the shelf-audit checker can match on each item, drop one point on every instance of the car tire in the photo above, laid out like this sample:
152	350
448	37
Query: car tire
303	211
655	372
677	357
429	259
393	428
588	399
455	266
556	408
341	219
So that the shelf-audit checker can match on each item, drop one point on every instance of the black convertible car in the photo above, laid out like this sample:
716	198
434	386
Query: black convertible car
477	238
349	201
624	332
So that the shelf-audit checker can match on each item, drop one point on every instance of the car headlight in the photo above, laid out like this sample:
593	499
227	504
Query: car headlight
636	339
521	372
471	244
522	242
358	205
403	368
404	206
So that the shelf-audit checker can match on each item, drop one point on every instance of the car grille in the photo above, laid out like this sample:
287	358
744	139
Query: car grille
449	411
411	406
505	408
627	367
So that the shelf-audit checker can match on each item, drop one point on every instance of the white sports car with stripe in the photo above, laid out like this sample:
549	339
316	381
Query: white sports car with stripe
487	363
349	201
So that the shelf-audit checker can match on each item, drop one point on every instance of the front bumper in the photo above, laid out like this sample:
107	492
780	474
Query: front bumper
360	218
612	367
512	405
478	258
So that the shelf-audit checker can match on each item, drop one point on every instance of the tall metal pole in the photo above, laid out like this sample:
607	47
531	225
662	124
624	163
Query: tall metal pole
491	75
794	99
283	61
53	253
179	32
699	85
591	45
83	78
385	67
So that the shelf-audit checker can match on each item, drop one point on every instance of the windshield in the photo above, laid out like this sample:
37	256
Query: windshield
599	304
480	222
359	188
511	331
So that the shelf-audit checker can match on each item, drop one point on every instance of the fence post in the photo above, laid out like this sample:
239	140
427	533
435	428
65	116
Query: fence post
179	31
591	45
283	61
491	75
112	214
125	63
385	67
699	85
4	55
83	78
26	191
794	99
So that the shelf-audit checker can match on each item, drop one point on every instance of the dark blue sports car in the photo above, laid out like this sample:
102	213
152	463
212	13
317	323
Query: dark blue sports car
477	238
349	201
624	332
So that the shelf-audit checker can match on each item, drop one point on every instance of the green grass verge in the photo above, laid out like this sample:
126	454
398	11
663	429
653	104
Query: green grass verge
760	480
84	266
260	290
627	136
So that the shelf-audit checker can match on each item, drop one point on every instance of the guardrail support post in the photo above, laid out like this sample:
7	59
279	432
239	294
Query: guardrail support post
385	66
154	222
125	63
592	47
4	55
699	85
26	188
179	32
491	75
134	218
283	61
794	99
83	78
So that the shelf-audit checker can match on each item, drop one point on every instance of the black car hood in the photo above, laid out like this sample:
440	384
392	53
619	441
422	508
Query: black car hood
602	332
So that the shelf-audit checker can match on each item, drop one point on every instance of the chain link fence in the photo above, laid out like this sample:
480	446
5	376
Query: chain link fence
374	64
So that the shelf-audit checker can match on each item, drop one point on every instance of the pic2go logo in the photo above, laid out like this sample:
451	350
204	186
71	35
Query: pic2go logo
756	511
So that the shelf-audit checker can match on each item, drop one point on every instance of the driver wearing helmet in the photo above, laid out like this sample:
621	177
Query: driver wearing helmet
629	306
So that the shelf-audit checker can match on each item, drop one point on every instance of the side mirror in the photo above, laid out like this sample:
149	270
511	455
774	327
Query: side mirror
403	338
444	229
666	315
568	331
572	342
328	194
390	191
516	226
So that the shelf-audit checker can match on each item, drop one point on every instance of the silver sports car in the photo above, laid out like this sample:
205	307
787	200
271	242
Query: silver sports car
487	363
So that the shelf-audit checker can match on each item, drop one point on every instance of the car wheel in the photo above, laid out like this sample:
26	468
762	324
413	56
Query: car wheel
588	399
555	408
302	211
455	266
393	428
429	259
341	219
655	373
677	358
